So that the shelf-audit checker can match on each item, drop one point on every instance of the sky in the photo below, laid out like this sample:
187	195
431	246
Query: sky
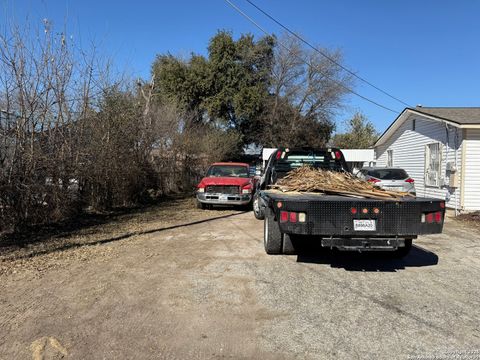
421	51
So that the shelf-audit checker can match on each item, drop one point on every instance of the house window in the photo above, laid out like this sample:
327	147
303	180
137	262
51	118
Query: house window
413	124
433	164
389	158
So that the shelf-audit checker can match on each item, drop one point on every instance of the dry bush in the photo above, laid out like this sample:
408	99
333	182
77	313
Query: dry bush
73	136
45	87
183	149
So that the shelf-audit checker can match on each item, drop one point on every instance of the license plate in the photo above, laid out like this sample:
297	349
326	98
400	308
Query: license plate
394	188
364	225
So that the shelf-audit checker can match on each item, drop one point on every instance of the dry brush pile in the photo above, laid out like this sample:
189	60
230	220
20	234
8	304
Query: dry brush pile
308	179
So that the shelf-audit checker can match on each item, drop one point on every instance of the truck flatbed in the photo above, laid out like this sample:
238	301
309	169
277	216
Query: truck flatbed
343	221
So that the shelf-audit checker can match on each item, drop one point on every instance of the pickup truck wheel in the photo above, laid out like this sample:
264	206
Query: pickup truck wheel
272	237
258	210
404	250
288	247
201	205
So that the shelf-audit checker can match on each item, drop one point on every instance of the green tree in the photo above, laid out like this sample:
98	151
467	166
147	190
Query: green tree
360	134
272	95
229	87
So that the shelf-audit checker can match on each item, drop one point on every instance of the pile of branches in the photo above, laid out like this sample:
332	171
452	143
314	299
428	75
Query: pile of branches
308	179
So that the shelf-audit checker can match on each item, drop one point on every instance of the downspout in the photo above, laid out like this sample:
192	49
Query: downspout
456	168
447	144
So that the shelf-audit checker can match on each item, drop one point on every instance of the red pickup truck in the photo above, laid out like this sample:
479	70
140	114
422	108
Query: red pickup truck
226	183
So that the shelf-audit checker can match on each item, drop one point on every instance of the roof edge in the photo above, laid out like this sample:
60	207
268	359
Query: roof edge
409	111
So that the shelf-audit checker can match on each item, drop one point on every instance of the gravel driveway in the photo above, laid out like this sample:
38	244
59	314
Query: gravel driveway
209	291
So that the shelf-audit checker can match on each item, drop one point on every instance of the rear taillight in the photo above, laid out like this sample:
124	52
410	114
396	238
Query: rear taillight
353	211
373	180
338	155
292	217
279	154
432	217
410	180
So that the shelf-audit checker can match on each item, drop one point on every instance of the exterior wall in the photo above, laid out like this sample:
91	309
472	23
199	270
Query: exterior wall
408	147
471	198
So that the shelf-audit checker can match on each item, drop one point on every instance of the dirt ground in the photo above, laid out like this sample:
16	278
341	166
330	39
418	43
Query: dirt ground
174	282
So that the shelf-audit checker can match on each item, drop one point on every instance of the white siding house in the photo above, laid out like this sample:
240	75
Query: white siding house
440	149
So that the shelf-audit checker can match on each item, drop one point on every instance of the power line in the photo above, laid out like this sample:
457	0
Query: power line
306	62
325	54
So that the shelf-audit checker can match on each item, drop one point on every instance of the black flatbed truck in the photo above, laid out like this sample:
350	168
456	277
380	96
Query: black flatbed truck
342	222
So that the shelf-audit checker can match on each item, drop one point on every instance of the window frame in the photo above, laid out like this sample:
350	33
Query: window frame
390	158
433	165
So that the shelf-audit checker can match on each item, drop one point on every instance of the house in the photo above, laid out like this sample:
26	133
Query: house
358	158
439	147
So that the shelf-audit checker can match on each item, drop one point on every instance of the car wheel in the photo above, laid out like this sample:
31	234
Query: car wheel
258	210
272	236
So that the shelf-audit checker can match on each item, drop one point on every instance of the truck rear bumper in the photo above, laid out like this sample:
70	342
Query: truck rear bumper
224	199
364	244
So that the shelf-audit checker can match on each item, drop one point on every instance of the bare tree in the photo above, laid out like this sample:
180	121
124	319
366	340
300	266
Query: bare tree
45	90
307	89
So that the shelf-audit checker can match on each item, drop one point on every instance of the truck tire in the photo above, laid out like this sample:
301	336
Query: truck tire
288	246
403	251
258	210
272	237
201	205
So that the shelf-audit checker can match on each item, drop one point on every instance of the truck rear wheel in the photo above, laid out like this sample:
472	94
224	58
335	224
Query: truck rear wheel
272	236
403	251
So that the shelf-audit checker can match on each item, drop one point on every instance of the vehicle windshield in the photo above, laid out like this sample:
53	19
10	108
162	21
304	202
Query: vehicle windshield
228	171
388	174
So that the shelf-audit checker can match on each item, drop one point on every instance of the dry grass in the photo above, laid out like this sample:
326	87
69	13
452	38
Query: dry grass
307	179
56	248
471	219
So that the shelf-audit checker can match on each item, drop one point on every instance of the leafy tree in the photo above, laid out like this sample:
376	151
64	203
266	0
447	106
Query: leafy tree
271	95
361	134
229	87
